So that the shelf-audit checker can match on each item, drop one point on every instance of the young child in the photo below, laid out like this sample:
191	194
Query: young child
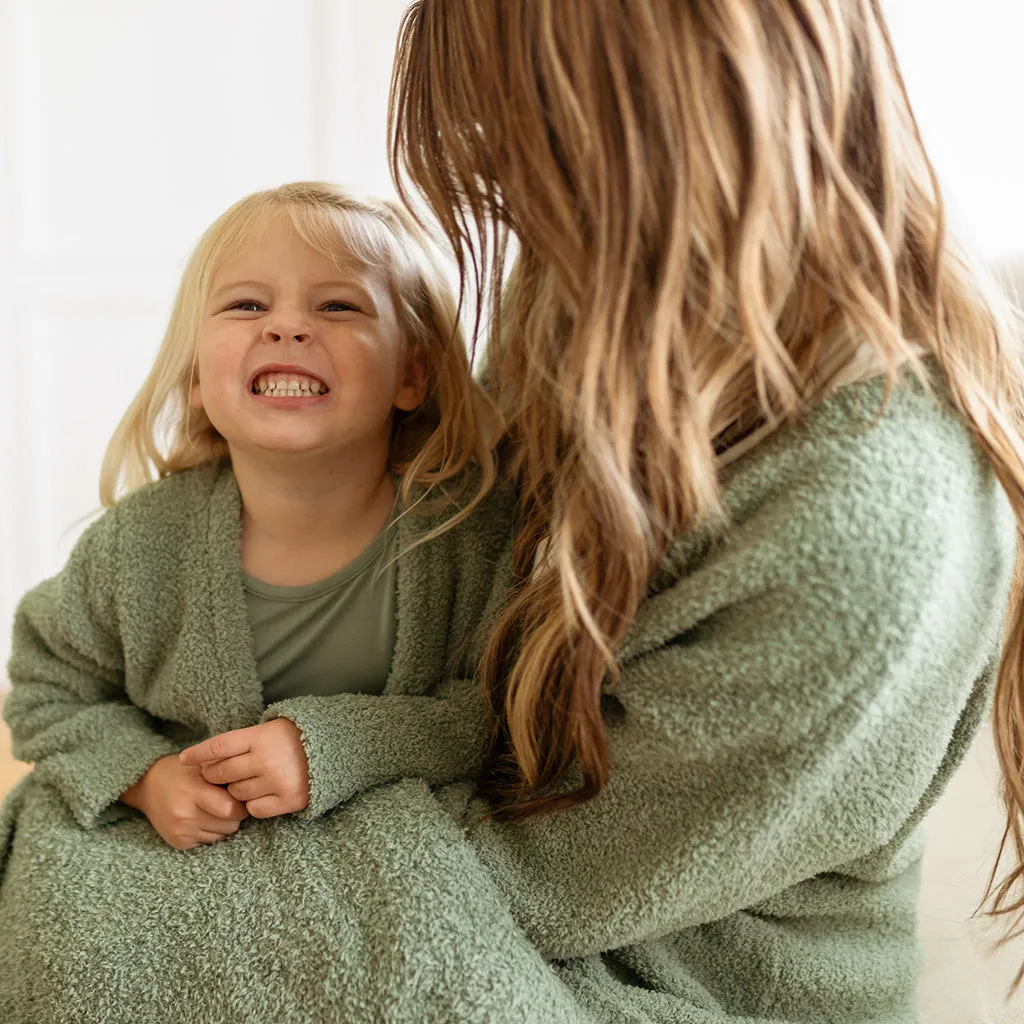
314	359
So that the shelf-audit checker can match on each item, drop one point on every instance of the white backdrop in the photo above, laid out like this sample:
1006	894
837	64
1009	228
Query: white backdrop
965	74
128	125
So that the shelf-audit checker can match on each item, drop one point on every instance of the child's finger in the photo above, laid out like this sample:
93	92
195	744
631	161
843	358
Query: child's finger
214	823
209	838
250	789
232	769
216	748
265	807
221	804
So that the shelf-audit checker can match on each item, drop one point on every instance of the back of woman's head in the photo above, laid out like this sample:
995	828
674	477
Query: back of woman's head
723	211
161	433
716	202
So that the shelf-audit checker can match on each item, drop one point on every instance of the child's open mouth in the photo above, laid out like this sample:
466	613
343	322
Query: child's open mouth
288	385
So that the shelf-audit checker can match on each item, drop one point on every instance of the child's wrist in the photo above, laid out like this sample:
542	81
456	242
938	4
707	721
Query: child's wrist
136	795
133	796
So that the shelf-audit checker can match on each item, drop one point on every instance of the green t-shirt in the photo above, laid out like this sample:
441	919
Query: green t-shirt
332	636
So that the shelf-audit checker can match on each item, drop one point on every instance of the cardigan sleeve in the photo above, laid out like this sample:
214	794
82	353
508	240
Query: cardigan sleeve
67	708
789	706
355	741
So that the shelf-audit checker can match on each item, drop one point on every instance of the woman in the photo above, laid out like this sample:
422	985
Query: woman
724	213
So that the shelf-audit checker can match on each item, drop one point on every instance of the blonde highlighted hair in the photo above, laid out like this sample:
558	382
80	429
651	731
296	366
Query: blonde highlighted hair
723	210
162	434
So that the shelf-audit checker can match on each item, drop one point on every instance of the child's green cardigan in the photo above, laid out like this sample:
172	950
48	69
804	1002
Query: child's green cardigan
794	697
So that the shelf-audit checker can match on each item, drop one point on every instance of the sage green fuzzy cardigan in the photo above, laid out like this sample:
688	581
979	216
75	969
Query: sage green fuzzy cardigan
794	696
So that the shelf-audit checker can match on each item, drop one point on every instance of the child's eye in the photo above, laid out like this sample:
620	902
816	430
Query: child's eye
334	306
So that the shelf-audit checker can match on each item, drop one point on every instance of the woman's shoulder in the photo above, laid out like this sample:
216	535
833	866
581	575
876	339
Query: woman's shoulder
864	476
872	442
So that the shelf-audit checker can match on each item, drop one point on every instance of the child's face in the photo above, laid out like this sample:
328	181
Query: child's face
298	356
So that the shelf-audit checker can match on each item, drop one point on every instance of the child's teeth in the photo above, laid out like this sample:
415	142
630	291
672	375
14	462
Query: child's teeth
288	387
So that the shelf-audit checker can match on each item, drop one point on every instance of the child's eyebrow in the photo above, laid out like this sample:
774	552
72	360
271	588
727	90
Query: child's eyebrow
363	291
350	282
339	283
236	284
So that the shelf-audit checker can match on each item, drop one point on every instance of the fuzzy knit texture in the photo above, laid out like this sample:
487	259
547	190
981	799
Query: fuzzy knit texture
795	693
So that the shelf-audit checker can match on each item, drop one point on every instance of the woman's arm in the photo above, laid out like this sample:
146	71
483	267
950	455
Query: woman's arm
67	708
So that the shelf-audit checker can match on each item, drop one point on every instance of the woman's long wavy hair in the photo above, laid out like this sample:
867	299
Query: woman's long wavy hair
162	434
723	210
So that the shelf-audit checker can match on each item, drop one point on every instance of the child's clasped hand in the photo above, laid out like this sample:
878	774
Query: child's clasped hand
264	766
203	794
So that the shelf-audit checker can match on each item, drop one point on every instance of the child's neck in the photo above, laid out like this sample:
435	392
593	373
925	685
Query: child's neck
304	521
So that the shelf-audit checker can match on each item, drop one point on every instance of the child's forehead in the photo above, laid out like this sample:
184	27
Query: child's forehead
277	245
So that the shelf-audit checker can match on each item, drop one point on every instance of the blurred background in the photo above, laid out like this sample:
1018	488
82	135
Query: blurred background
129	125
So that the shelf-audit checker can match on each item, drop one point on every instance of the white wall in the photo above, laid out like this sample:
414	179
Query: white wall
965	74
127	126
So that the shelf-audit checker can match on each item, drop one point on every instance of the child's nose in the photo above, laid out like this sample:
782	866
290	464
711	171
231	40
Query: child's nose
286	328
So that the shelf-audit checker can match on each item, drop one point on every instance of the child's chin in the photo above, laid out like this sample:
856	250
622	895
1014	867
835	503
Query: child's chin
277	446
297	447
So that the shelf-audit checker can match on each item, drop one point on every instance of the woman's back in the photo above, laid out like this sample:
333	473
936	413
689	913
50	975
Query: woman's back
845	630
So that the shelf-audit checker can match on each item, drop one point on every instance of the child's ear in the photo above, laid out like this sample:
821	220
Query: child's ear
412	391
